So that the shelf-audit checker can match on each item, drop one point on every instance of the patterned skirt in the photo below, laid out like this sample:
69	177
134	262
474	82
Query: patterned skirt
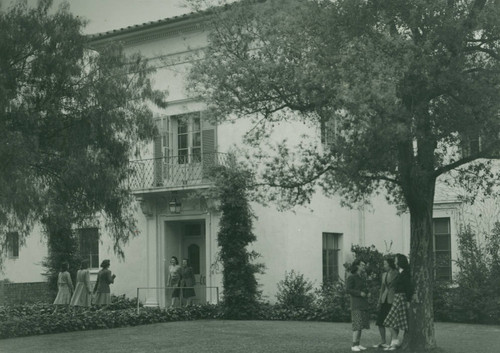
360	320
398	316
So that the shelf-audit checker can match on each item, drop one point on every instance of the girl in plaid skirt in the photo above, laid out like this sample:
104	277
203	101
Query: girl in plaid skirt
397	319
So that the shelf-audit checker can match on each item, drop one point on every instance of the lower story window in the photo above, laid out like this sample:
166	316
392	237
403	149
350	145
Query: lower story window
331	252
88	241
13	244
442	249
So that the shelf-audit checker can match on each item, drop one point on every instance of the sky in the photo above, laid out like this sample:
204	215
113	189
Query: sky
106	15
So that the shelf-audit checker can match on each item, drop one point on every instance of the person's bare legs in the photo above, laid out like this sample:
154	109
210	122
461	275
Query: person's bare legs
394	337
382	331
356	337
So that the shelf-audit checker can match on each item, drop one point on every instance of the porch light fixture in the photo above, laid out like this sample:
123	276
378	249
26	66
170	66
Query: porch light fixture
174	206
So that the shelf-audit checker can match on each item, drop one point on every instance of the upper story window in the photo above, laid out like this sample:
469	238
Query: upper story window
328	131
471	145
188	137
442	248
13	244
185	138
88	245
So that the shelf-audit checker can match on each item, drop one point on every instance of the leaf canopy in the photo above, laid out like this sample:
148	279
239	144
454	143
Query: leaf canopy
70	119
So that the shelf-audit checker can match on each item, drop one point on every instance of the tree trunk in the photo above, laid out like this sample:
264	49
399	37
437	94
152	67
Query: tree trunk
421	335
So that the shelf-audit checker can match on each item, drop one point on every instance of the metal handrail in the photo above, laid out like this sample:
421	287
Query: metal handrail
205	287
190	169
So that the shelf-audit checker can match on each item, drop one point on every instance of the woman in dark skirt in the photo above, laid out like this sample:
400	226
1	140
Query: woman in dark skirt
357	287
101	289
397	319
386	298
187	280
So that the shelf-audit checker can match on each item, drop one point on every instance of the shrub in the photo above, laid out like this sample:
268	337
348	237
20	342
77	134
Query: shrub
333	302
474	297
121	302
295	292
39	319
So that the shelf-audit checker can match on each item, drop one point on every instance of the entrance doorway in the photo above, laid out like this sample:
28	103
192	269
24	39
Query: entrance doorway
186	240
193	249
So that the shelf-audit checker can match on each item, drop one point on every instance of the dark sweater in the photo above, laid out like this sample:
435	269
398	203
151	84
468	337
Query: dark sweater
402	284
354	286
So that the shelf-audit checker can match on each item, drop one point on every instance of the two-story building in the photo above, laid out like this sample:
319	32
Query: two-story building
174	220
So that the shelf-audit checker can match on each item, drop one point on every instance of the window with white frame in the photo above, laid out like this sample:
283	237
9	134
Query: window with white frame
331	250
187	138
13	244
442	248
88	245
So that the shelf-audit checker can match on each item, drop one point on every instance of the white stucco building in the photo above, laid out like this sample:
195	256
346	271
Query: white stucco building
314	241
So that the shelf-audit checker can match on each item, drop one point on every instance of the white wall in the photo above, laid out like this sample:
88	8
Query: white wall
28	266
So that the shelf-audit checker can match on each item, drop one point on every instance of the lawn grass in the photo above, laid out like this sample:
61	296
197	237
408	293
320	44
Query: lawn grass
220	336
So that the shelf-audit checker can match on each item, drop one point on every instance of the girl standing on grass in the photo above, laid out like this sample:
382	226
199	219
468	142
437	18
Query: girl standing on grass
397	319
358	289
64	286
386	298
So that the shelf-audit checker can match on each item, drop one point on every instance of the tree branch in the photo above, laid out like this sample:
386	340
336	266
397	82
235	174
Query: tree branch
485	153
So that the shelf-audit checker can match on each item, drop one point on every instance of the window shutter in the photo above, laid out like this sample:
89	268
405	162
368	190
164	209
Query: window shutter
208	145
208	150
157	161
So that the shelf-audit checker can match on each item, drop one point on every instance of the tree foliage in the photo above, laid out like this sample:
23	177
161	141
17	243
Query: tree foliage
62	244
70	118
409	88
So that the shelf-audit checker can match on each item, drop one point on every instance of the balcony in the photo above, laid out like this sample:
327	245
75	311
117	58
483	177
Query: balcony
172	173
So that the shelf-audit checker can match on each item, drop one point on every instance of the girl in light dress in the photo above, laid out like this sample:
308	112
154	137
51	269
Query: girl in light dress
174	279
82	296
65	287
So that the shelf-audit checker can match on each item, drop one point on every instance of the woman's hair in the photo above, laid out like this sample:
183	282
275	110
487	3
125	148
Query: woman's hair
176	260
355	265
403	262
390	262
105	263
64	267
84	264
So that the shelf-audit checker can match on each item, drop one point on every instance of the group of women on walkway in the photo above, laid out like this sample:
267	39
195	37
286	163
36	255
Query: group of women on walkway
82	296
395	294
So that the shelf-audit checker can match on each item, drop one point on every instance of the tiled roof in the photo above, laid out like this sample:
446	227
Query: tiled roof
145	25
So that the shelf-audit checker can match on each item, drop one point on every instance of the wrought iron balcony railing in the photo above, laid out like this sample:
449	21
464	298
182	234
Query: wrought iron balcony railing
177	171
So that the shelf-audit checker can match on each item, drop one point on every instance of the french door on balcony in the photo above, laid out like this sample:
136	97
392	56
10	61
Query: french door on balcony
184	148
